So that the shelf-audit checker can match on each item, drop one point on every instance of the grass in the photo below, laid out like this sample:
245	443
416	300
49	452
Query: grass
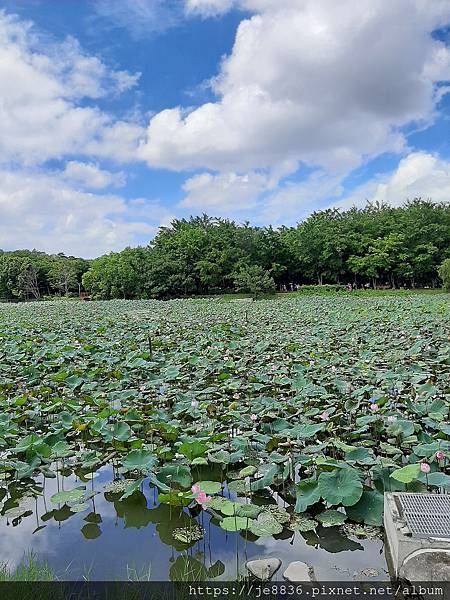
29	569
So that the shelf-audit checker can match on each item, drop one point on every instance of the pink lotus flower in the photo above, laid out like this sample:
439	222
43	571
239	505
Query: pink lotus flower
325	416
194	403
440	455
254	417
425	467
203	499
374	407
195	489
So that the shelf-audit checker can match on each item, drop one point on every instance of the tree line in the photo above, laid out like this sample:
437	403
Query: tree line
376	245
32	275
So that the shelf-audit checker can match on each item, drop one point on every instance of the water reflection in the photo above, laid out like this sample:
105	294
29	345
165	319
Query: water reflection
114	538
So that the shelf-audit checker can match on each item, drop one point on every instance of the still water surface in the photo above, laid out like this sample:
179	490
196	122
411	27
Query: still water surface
131	539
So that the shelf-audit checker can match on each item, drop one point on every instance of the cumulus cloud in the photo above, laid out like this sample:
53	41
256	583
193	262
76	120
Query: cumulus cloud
419	174
41	84
90	175
227	192
46	213
325	83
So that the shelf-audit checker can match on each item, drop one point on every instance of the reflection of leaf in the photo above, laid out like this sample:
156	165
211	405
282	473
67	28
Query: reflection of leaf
134	510
93	518
91	531
216	570
331	540
175	498
188	568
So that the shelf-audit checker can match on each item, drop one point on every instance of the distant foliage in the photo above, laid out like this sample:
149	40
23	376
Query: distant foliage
30	275
376	246
253	280
444	273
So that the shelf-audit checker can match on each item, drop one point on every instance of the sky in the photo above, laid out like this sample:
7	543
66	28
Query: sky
117	116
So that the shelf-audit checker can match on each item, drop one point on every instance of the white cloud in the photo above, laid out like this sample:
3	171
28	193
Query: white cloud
227	192
209	8
419	174
323	82
141	17
294	201
90	175
42	211
40	85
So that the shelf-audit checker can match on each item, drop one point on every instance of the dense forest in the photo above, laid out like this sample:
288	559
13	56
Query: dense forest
377	245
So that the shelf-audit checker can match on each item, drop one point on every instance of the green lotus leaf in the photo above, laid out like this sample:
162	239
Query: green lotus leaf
175	475
139	460
341	486
234	523
193	450
368	509
65	497
132	487
308	493
301	523
265	526
330	518
407	474
210	487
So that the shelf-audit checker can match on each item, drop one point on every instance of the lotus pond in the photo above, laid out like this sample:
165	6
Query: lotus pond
176	440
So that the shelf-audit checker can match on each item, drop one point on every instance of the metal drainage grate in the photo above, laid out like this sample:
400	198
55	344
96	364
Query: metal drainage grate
426	515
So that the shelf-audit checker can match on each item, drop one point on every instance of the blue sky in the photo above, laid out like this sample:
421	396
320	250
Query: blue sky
117	116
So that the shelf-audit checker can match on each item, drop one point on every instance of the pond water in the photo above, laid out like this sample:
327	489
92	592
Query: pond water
117	539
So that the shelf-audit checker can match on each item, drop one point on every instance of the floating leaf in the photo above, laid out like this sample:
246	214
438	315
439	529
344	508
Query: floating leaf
68	496
265	526
329	518
234	523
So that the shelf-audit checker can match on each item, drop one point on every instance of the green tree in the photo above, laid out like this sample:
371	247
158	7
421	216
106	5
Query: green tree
254	280
444	273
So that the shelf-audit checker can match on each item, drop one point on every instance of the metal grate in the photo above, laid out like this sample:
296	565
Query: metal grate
426	515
